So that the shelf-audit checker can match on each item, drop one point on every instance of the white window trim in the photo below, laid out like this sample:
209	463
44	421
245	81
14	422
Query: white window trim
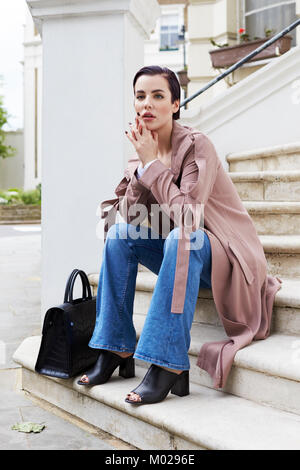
268	7
241	8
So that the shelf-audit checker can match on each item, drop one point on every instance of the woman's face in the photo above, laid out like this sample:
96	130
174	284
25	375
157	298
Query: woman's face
152	95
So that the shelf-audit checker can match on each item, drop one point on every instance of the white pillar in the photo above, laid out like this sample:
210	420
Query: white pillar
91	52
32	83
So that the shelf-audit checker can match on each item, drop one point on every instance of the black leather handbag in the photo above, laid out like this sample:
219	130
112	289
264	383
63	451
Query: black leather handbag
67	329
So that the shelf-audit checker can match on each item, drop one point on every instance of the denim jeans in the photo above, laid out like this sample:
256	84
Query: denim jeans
165	338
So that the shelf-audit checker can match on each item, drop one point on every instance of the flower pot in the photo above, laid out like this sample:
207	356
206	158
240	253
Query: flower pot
226	56
183	78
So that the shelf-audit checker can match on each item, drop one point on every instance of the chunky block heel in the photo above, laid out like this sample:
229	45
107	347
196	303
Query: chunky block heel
127	369
181	387
157	383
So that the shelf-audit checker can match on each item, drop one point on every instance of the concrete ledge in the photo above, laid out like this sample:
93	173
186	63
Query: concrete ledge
272	207
274	217
287	296
281	176
12	213
280	243
214	418
286	312
264	152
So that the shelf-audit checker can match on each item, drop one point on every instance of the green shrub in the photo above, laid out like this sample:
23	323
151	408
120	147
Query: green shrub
18	196
31	197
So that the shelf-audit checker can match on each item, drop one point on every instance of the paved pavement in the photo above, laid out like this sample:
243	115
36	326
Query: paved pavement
20	316
20	287
58	433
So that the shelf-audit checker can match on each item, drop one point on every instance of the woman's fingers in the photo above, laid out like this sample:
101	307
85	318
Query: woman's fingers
134	130
137	129
139	126
142	123
132	140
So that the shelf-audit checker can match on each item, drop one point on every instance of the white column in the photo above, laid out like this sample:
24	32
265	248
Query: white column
32	86
91	52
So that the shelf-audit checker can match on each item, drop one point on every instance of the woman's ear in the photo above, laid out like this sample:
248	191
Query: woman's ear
177	104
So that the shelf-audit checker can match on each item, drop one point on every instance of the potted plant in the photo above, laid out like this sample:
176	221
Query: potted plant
183	77
225	55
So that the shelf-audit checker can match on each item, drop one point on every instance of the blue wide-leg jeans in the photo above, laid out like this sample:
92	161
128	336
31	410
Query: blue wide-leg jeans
165	338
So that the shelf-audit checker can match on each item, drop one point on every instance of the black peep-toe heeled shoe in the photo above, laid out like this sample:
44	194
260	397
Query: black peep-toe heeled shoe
157	383
106	364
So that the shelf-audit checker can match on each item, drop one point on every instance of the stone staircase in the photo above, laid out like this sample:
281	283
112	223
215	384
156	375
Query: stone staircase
260	406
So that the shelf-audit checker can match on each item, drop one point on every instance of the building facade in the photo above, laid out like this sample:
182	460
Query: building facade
181	41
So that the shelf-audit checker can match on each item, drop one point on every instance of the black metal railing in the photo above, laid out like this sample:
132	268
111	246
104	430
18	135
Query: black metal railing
241	62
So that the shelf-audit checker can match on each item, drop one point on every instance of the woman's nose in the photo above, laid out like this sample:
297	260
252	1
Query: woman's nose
148	101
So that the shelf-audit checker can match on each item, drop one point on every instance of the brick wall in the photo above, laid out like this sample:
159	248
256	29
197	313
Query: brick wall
19	212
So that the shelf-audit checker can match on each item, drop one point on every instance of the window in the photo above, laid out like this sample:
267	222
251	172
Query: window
169	32
269	14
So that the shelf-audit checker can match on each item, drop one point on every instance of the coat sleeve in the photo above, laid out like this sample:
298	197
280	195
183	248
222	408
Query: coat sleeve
130	193
185	204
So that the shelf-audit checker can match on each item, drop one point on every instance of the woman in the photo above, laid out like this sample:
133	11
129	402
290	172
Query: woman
177	170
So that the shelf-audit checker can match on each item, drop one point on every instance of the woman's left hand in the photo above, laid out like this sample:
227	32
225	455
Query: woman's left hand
144	140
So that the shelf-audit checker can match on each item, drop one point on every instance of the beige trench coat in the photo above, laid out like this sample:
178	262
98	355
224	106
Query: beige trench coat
200	188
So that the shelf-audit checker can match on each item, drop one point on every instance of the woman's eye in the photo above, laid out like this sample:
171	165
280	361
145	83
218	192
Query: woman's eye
140	96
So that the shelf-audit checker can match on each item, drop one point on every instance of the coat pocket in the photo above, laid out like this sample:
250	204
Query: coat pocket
244	266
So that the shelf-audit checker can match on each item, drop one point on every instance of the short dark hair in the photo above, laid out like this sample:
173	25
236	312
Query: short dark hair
174	85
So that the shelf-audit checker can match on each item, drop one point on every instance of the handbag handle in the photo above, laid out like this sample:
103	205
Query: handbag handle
85	283
68	285
71	278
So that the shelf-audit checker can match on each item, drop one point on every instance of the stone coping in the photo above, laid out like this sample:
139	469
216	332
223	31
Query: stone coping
287	296
264	152
272	207
278	176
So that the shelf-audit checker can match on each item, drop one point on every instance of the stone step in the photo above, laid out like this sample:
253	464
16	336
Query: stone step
283	255
286	310
19	221
267	185
281	218
266	372
279	157
214	417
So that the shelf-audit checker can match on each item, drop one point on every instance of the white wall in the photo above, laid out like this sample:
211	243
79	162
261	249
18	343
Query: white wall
12	168
32	135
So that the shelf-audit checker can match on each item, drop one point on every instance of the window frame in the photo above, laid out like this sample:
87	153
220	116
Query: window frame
243	14
168	25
